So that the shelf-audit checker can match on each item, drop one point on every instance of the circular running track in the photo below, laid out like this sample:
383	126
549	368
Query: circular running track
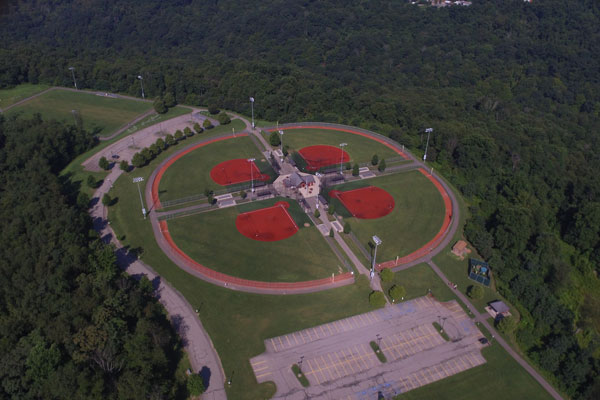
166	243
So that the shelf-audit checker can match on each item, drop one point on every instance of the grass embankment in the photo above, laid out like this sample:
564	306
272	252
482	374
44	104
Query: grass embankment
237	322
360	148
300	375
212	239
417	216
13	95
100	114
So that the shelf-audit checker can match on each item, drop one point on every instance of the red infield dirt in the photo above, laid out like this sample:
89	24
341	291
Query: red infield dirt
322	156
267	224
236	171
366	203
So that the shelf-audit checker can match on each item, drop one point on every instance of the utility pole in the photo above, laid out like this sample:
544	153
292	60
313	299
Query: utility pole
342	145
72	69
142	85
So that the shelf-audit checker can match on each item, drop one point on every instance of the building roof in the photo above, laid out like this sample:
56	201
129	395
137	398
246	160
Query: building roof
295	179
499	306
460	245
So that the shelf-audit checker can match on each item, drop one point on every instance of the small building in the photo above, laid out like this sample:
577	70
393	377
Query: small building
498	309
296	180
460	249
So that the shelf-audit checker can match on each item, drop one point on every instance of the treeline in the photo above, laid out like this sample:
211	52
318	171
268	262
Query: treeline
72	324
510	88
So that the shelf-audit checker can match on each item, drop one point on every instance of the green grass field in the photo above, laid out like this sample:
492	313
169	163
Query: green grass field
104	115
11	96
360	149
212	239
418	281
415	220
190	175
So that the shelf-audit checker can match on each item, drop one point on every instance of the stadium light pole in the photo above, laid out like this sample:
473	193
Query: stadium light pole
342	145
251	160
377	242
428	130
72	69
252	105
138	180
142	85
282	155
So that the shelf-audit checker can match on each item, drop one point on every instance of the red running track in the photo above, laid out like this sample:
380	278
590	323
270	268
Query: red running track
267	224
366	203
235	171
165	166
281	287
321	155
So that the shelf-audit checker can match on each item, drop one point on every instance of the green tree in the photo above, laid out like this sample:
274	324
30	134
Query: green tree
188	132
169	100
106	200
507	325
243	194
377	299
387	275
347	228
162	145
213	109
285	150
148	156
179	135
170	140
207	124
160	107
355	170
382	166
274	139
91	182
124	165
317	213
374	159
397	292
331	209
154	150
198	128
195	385
223	118
83	200
103	163
348	166
138	160
331	232
475	292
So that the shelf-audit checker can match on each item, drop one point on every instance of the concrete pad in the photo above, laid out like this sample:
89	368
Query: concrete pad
226	203
367	175
223	196
337	226
324	229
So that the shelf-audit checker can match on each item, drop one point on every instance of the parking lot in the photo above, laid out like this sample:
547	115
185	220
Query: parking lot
339	363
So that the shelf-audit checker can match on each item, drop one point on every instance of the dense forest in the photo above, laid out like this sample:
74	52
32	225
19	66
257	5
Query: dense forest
72	324
511	89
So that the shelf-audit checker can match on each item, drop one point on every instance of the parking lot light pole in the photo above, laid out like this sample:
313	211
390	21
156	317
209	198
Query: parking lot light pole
342	145
251	160
282	155
377	242
142	85
428	130
72	69
252	105
138	180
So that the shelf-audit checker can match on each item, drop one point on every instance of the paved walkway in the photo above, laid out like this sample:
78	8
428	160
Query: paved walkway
197	343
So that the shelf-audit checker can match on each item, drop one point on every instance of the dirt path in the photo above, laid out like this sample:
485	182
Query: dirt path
203	357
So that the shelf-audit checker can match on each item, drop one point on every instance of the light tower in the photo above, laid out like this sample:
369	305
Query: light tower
72	69
428	130
142	85
342	145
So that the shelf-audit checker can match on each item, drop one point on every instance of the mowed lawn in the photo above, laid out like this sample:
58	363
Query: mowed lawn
360	148
100	114
417	216
18	93
190	175
212	239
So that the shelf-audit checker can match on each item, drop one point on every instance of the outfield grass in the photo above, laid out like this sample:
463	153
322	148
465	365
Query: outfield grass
360	148
415	220
18	93
190	175
501	378
212	239
103	115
